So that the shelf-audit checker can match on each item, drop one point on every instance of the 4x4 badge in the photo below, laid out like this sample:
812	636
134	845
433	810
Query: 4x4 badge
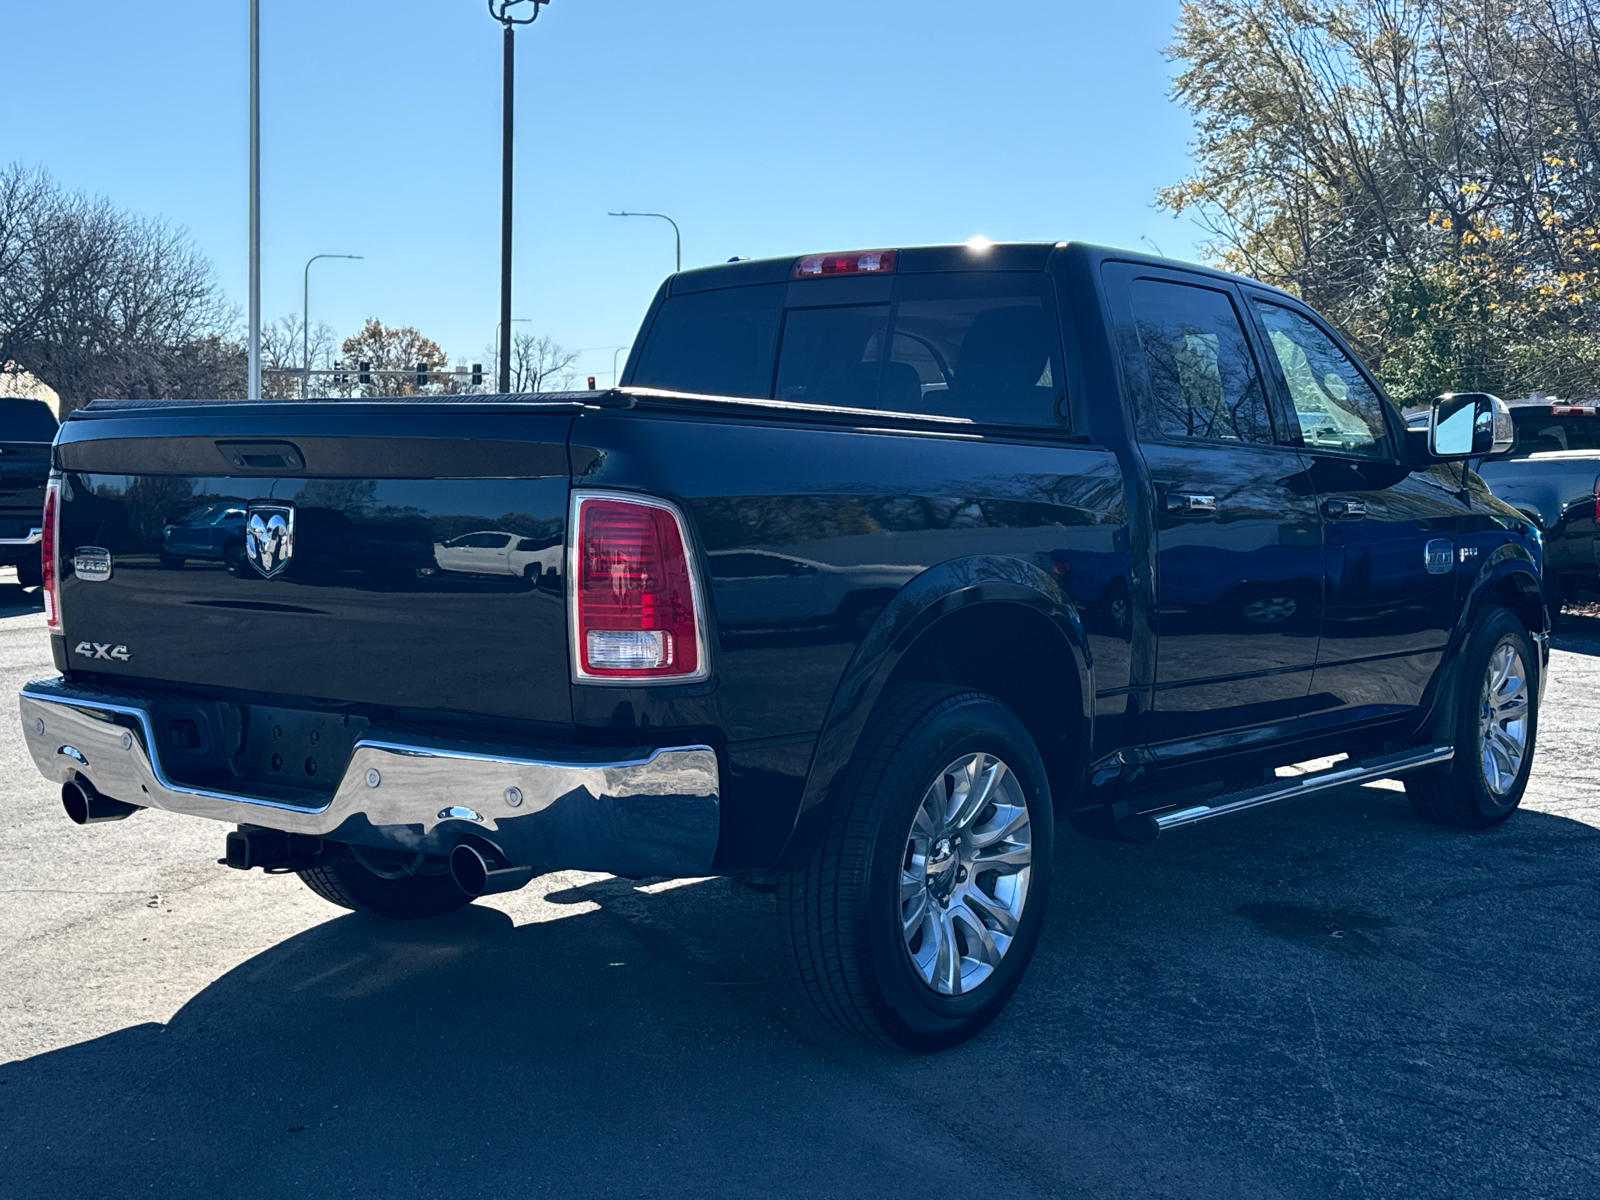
269	537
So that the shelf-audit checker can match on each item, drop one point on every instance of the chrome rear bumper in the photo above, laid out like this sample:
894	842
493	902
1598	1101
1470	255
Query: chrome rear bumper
650	812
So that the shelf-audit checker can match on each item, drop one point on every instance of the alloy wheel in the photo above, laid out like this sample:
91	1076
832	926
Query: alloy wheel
964	874
1503	718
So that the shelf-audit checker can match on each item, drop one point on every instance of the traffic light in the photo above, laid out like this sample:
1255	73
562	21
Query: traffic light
366	373
591	383
422	374
338	374
477	374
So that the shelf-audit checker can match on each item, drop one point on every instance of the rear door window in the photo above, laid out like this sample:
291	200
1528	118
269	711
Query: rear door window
1201	376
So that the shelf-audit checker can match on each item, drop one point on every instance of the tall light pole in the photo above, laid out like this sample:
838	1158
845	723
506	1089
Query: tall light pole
506	12
677	238
498	356
254	358
614	354
305	320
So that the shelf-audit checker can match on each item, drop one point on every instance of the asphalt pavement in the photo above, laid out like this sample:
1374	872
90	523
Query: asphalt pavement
1326	999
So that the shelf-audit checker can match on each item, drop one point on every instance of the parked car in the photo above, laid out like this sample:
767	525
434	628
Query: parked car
496	552
27	427
211	533
1137	534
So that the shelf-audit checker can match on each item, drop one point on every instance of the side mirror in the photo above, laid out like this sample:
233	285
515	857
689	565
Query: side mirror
1470	425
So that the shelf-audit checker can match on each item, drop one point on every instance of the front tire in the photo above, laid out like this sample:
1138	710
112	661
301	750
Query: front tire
1496	727
386	884
916	915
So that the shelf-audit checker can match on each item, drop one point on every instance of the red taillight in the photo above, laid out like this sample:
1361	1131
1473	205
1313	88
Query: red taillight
864	262
634	609
1572	410
47	555
1597	501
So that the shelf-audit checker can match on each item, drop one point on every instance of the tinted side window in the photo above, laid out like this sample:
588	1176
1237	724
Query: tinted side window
1337	408
976	345
833	355
1202	377
718	343
26	421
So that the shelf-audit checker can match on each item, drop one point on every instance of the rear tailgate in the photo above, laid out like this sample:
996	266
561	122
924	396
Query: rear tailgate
425	570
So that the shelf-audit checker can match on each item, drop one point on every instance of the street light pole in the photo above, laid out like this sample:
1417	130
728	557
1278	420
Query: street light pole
253	364
503	11
305	320
614	354
499	356
677	238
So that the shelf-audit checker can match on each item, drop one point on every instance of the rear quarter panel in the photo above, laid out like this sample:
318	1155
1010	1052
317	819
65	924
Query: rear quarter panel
849	519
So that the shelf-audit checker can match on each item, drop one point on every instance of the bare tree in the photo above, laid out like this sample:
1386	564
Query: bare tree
285	348
540	364
98	302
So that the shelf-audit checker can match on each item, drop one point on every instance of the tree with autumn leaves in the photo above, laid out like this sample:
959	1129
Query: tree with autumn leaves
1425	173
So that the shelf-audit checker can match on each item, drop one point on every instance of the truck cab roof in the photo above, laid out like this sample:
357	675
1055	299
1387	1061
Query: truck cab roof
977	255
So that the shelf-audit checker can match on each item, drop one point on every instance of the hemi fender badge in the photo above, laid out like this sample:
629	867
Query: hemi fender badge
103	650
92	564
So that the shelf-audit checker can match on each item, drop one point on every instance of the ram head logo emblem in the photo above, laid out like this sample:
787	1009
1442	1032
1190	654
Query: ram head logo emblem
269	537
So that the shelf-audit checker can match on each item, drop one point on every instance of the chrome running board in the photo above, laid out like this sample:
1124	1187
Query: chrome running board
1148	826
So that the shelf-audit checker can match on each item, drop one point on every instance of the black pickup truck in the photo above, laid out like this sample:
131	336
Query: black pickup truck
1552	475
27	428
875	565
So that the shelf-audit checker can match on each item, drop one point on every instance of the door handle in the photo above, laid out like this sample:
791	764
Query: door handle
1191	504
1343	508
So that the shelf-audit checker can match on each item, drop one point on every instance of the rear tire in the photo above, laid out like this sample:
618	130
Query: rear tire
916	915
340	879
1497	725
30	574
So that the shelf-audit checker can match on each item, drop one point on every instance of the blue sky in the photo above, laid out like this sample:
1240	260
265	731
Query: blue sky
765	128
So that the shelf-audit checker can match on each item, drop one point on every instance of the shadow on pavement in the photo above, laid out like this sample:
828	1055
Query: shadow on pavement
1332	1001
14	600
1577	630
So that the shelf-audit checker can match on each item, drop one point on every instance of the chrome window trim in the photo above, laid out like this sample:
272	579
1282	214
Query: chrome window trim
35	536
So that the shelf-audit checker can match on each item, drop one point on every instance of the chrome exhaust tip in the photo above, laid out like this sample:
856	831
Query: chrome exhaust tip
85	806
482	871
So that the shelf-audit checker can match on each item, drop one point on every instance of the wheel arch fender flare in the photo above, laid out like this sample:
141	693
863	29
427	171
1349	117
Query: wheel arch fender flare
914	610
1508	572
1509	575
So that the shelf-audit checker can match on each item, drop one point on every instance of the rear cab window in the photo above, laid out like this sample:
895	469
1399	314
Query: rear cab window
26	421
982	346
1542	428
